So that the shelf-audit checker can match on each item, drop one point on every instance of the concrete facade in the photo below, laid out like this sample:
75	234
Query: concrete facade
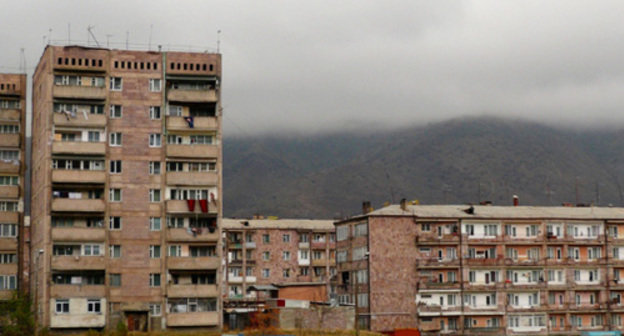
109	128
483	270
13	232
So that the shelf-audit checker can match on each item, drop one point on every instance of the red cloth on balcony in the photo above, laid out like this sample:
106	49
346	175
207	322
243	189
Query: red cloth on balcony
191	204
203	204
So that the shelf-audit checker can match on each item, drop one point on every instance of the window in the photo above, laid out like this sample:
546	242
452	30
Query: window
91	250
94	306
359	253
9	180
154	112
360	230
286	238
154	280
116	84
286	255
154	167
114	223
115	139
286	273
175	251
115	167
303	254
8	206
62	306
425	227
155	309
266	255
8	282
8	230
94	136
9	129
154	140
362	300
115	251
266	238
115	195
155	224
154	195
8	258
266	272
115	111
155	85
154	251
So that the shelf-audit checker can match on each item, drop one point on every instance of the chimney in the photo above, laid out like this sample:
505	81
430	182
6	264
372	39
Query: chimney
366	205
403	204
516	201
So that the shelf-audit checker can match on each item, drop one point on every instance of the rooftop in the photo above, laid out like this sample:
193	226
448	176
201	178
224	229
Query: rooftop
500	212
286	224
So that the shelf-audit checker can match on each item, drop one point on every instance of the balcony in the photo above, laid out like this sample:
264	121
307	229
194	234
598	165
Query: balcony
9	140
183	235
199	124
192	178
9	191
196	319
432	238
8	268
78	205
182	291
193	263
69	234
75	263
193	151
304	245
10	115
318	245
192	96
181	207
6	294
78	176
88	291
79	92
250	245
94	120
79	147
439	285
484	330
10	167
9	217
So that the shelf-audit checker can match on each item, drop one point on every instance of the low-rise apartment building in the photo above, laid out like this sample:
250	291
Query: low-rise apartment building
13	270
126	197
265	252
475	270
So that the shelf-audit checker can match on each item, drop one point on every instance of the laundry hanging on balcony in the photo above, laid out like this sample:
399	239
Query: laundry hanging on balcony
203	204
191	204
189	120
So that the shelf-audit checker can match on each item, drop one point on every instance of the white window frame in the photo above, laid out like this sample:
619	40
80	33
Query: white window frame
116	84
155	84
115	139
111	195
153	225
115	111
155	140
155	112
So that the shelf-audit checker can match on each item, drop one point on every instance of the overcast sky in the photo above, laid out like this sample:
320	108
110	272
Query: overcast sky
308	66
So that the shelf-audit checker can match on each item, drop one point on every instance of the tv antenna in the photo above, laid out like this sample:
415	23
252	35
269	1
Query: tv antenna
90	30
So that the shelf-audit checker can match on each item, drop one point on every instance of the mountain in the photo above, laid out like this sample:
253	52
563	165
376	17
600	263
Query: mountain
458	161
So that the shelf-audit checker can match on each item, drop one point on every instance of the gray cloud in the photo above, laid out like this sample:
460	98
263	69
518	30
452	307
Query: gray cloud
318	65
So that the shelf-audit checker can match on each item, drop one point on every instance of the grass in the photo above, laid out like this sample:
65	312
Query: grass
246	333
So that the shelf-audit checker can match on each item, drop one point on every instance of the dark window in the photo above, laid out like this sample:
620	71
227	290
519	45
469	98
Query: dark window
73	61
116	64
155	66
211	67
100	63
60	60
185	66
204	67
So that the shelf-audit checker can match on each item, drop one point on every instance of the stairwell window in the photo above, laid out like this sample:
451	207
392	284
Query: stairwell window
62	306
154	251
155	140
154	168
115	139
154	112
154	280
154	195
155	85
115	111
8	230
115	195
114	223
116	84
155	224
115	251
115	167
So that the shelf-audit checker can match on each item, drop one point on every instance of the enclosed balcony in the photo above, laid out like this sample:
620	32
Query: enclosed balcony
92	120
79	92
79	147
10	115
192	178
193	263
9	140
70	234
9	191
78	176
193	151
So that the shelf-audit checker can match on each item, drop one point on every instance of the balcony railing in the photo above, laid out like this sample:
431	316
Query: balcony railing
199	124
92	120
79	92
193	151
182	291
192	235
79	147
67	234
78	176
73	263
10	140
193	263
192	178
195	319
78	205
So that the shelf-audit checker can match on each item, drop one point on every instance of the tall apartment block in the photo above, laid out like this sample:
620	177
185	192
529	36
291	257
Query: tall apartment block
126	198
263	252
484	270
13	273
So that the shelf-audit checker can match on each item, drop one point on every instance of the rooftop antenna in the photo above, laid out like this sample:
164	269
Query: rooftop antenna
218	40
149	44
108	36
49	35
90	30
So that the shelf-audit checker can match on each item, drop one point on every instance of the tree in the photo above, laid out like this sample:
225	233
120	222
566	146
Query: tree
16	316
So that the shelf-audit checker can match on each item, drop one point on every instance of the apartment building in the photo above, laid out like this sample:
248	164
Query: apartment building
265	252
484	270
126	198
13	273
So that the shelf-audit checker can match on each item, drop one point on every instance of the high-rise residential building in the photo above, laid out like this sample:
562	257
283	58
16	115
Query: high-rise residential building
484	270
266	252
126	196
13	273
